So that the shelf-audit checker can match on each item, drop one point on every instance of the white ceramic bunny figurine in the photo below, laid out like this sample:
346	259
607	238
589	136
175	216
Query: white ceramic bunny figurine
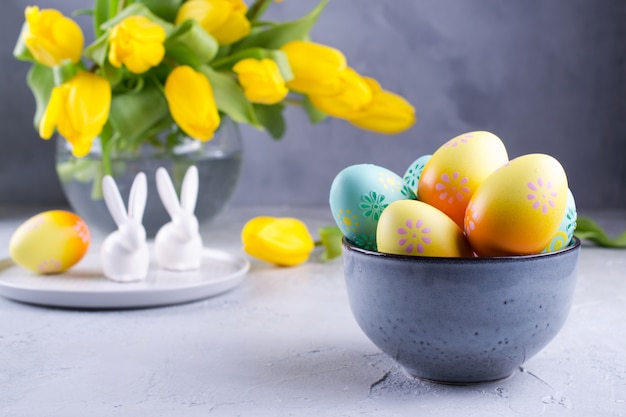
178	245
124	253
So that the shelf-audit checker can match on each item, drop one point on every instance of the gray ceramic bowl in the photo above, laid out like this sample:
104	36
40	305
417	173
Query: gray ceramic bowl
456	320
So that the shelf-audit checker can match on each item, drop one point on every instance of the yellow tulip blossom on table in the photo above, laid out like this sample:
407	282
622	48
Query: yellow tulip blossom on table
282	241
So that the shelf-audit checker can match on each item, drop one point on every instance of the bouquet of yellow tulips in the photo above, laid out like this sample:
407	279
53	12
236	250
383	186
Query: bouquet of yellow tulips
182	66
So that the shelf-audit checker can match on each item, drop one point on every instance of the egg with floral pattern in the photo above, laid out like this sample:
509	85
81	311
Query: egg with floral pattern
412	227
564	234
50	242
358	196
414	172
517	210
457	168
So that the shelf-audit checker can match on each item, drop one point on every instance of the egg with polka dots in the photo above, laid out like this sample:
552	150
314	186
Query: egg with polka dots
50	242
358	196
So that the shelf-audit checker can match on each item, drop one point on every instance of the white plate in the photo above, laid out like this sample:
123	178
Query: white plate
84	285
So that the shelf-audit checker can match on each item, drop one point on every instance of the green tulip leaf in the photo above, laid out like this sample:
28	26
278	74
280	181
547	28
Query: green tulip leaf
271	118
134	114
330	239
589	230
97	51
189	44
100	15
40	79
257	9
20	51
282	33
137	9
229	97
315	115
165	9
64	72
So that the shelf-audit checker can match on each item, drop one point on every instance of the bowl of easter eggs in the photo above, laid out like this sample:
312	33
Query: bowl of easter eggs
465	267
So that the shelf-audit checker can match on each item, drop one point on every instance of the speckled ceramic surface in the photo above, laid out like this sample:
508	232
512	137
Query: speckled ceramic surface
458	320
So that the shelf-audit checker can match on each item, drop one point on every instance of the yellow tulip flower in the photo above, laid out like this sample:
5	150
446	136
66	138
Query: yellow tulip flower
137	43
315	67
192	105
387	112
353	95
51	37
282	241
78	108
261	80
225	20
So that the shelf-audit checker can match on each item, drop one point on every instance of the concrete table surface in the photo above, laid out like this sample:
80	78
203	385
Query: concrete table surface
284	343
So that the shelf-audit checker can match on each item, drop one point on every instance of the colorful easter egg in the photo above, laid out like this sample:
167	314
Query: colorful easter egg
414	172
50	242
358	196
456	170
517	209
567	227
411	227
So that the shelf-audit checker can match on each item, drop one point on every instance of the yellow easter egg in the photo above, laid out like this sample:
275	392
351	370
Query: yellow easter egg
457	168
50	242
517	210
411	227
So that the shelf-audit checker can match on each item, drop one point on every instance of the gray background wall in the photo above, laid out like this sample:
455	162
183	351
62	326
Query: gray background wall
545	75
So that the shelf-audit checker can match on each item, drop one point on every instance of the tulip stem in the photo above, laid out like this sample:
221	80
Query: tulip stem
107	146
257	9
293	102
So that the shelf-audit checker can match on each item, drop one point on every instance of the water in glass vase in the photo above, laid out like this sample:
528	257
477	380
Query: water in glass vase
218	175
219	172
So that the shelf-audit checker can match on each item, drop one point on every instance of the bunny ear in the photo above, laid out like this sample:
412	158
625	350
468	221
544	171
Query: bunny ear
189	193
138	196
167	192
113	200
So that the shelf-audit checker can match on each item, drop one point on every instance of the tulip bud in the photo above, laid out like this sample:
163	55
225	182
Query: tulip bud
316	68
78	109
261	80
386	113
281	241
137	43
354	94
225	20
51	37
192	105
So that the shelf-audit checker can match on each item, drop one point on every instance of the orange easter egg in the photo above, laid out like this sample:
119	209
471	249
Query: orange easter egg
457	168
517	210
50	242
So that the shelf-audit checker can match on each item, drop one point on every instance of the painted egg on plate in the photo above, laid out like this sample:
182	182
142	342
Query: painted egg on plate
50	242
517	210
358	196
412	227
457	168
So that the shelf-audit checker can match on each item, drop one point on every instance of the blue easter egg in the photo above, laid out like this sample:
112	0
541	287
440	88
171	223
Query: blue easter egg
414	172
563	236
358	196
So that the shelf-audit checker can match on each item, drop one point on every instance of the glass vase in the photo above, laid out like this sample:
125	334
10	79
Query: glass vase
218	161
